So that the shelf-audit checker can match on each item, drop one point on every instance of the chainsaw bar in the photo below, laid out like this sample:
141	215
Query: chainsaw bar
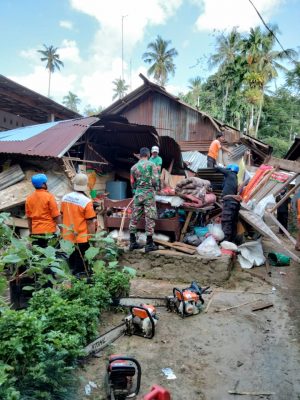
138	301
107	338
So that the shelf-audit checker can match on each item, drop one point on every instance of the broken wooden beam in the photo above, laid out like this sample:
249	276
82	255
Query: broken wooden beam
262	306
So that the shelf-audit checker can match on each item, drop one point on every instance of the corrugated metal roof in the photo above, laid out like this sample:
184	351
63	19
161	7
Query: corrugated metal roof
194	160
195	145
122	105
27	132
47	140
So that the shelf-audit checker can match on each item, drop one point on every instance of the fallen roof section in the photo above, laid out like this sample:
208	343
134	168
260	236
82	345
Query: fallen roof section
52	139
18	99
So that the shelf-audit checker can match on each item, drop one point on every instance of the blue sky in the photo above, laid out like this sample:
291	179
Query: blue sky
88	35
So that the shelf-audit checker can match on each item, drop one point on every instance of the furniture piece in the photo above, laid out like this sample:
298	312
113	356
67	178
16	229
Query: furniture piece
168	225
190	211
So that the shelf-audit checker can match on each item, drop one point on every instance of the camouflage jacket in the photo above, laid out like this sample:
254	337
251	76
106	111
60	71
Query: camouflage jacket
144	177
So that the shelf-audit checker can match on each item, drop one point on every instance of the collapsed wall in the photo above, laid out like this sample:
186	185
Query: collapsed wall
181	268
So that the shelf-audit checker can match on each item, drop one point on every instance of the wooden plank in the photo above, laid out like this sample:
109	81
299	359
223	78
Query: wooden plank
188	246
11	176
275	220
262	306
259	225
285	184
18	222
264	393
285	197
15	195
173	246
286	165
84	161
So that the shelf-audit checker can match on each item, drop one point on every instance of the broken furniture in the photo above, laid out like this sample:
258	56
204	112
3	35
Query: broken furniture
169	225
190	210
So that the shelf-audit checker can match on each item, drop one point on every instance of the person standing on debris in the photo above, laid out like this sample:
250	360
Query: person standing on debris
79	222
144	181
42	212
156	159
231	201
214	149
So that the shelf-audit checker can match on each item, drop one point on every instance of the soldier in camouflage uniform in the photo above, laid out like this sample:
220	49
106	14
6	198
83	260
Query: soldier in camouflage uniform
144	181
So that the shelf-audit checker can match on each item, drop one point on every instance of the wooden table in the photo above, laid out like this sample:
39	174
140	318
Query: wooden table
190	211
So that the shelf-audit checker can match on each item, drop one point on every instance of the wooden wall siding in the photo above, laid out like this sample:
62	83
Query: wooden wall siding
170	118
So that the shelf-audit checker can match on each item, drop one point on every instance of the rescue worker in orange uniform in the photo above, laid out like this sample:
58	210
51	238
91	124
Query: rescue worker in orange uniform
79	222
214	149
42	212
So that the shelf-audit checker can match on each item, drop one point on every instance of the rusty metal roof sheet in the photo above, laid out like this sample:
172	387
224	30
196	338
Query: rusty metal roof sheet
118	106
45	140
195	145
194	160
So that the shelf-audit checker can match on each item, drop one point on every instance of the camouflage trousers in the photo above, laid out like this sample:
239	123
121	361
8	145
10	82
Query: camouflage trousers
144	205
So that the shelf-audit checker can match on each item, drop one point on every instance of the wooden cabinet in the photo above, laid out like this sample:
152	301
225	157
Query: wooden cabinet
170	226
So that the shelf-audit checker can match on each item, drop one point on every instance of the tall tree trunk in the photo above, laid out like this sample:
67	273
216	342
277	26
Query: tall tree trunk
259	113
251	120
225	101
49	83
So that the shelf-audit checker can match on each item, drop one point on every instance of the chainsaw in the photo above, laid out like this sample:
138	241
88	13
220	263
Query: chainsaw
185	302
141	322
123	378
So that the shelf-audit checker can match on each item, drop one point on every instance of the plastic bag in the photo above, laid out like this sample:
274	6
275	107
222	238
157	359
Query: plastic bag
251	254
263	204
216	231
209	247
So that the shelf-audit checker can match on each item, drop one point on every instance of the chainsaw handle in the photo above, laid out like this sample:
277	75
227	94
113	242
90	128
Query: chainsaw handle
182	300
138	366
149	316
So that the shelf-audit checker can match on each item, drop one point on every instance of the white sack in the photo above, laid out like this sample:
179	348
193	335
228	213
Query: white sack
228	245
251	254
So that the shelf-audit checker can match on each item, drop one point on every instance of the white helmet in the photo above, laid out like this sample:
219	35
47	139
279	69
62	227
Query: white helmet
155	149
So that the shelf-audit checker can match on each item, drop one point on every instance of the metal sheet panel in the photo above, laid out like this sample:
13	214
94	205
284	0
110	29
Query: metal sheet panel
51	142
194	160
27	132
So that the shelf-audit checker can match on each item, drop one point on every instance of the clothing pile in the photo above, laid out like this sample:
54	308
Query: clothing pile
195	191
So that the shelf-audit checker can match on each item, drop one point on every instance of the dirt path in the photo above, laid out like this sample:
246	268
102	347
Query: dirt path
215	352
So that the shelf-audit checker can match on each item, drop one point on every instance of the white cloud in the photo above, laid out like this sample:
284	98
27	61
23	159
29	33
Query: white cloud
224	15
69	51
66	24
38	81
91	77
31	55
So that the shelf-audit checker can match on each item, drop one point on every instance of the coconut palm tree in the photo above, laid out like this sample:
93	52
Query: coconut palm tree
71	101
263	61
195	90
53	62
226	57
161	60
120	89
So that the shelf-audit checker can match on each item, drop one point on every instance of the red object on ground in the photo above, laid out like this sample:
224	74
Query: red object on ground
157	393
228	252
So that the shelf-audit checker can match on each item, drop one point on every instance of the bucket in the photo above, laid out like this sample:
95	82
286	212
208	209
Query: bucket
279	259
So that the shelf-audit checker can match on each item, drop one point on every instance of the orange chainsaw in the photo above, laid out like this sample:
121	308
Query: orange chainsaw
141	322
185	302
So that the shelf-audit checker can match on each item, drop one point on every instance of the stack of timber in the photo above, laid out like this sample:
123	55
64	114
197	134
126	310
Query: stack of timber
178	246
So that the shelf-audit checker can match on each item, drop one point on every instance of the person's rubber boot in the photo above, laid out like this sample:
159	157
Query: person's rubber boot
133	243
150	245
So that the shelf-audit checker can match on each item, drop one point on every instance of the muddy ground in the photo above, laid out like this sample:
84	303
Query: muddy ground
216	352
